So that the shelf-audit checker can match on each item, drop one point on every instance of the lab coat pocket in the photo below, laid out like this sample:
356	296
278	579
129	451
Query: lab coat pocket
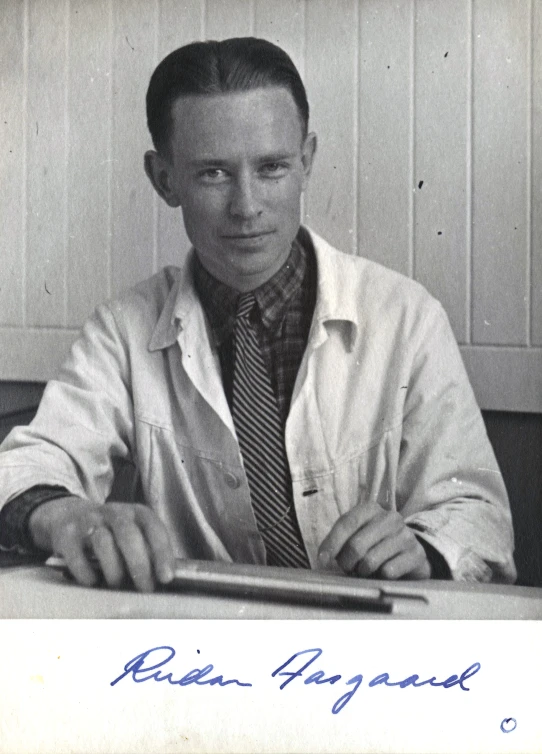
202	499
368	476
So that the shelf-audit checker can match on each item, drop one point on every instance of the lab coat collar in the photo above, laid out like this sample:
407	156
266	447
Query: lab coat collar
336	303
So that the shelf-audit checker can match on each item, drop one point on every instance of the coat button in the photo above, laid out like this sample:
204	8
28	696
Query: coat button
231	480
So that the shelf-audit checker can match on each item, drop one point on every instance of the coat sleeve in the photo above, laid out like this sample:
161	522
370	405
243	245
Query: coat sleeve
84	422
449	486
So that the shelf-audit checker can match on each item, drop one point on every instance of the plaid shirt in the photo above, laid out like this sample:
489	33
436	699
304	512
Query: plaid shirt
285	305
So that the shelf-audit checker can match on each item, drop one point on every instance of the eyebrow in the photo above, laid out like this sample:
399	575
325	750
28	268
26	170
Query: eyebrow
218	161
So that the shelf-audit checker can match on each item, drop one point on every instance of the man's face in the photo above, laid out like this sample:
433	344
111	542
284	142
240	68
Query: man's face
238	165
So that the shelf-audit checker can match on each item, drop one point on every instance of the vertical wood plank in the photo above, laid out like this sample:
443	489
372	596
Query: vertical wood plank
330	76
282	22
536	176
12	163
385	185
177	27
440	149
500	105
46	161
88	156
132	231
228	18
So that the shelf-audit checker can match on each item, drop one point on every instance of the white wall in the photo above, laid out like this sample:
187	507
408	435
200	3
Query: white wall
447	92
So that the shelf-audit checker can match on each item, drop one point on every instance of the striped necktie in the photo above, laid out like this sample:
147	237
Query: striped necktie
261	439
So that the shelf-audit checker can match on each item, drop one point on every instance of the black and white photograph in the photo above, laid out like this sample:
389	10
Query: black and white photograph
271	373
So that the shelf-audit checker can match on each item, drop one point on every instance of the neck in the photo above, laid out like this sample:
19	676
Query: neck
245	282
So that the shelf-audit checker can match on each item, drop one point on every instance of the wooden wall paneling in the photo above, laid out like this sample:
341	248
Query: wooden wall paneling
536	175
500	171
331	81
46	163
177	25
39	352
89	157
283	23
380	127
228	18
12	161
133	208
385	133
505	379
441	131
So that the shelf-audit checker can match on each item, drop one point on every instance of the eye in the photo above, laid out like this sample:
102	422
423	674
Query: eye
213	175
274	169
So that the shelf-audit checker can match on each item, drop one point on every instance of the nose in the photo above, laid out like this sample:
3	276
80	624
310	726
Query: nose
244	202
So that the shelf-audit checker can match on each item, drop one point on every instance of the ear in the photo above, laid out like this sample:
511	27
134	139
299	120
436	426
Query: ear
158	170
308	151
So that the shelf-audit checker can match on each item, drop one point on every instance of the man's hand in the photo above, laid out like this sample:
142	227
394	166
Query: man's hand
125	541
370	541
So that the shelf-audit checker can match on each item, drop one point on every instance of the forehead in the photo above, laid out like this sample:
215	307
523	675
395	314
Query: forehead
229	123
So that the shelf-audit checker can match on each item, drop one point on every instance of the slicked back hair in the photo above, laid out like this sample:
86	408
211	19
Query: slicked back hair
205	68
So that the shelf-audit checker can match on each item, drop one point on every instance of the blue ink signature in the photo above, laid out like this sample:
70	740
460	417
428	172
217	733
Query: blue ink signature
319	677
141	672
148	665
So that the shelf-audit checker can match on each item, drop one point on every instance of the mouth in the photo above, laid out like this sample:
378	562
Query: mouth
248	236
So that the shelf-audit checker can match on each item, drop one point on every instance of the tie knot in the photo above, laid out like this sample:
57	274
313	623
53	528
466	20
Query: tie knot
245	304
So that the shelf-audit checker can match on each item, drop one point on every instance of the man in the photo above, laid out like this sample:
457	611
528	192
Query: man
283	403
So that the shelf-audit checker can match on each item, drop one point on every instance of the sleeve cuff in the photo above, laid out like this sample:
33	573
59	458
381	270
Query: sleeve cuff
462	564
15	515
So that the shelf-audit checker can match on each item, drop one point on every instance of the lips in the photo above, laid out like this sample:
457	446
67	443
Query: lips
248	236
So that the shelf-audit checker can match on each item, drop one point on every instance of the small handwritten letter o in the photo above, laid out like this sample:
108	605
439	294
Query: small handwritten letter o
508	724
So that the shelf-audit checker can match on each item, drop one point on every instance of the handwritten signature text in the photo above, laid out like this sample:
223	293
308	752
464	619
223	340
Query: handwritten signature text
149	666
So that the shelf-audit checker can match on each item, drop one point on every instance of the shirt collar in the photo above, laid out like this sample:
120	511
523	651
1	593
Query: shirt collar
220	300
334	301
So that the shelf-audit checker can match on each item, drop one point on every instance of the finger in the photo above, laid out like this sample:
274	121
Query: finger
344	528
109	558
383	551
383	528
412	564
131	543
70	545
158	541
